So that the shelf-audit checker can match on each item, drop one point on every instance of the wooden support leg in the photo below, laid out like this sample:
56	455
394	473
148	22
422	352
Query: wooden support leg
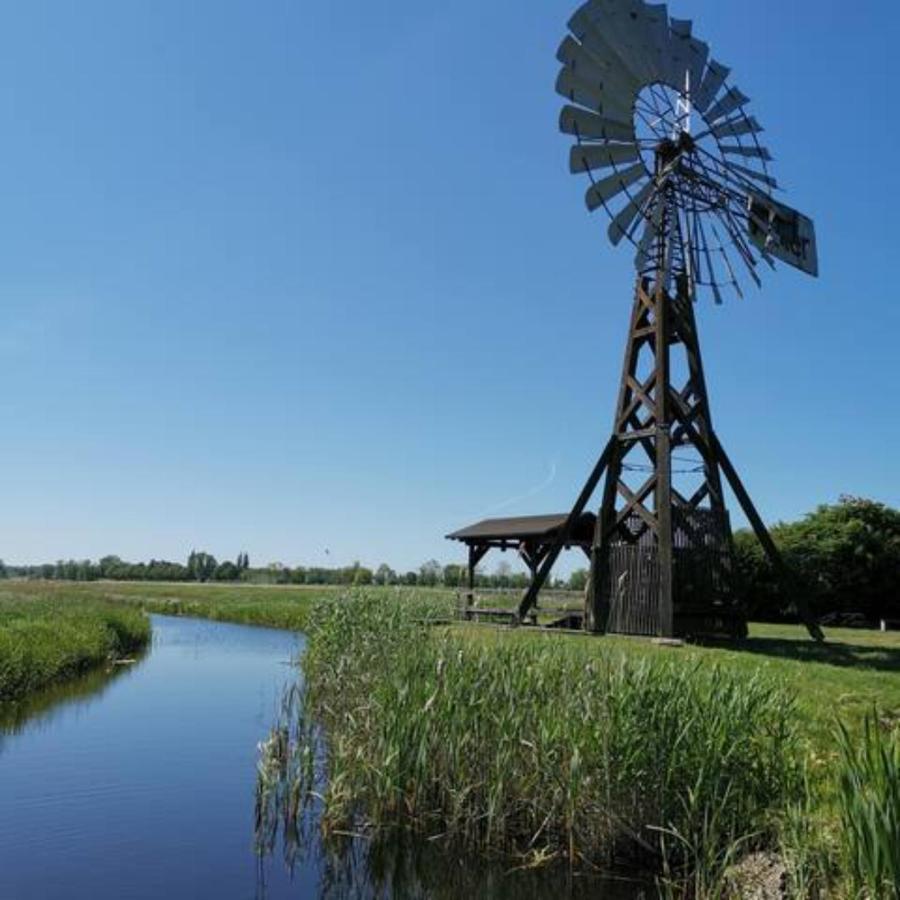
565	536
762	534
477	552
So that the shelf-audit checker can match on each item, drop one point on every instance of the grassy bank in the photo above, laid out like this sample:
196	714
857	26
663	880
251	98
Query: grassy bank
243	604
46	638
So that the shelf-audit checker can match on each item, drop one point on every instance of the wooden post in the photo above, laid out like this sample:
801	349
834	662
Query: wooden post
663	493
477	552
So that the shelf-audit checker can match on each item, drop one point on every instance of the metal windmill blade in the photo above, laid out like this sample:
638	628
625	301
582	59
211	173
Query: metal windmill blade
644	91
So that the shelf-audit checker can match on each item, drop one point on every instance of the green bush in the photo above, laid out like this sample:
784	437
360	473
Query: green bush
844	558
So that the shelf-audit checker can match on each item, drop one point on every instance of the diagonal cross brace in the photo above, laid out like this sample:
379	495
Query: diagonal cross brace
763	536
714	454
565	535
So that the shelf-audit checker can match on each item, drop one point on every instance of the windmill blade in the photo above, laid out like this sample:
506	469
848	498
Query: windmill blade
658	38
591	157
618	21
741	175
584	27
584	124
733	99
698	58
679	63
601	192
735	128
590	95
590	67
748	152
651	37
712	83
621	25
622	223
737	238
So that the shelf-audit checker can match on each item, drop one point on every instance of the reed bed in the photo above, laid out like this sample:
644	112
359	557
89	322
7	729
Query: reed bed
869	804
45	639
533	750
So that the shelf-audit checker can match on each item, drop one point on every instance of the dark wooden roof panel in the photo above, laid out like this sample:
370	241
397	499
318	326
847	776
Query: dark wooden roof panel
522	528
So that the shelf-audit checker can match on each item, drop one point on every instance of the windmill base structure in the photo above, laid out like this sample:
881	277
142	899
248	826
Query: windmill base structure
676	162
661	562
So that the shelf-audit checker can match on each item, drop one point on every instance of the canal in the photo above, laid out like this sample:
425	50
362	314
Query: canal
139	782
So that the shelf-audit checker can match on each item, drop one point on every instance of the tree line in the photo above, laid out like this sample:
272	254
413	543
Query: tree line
844	558
204	567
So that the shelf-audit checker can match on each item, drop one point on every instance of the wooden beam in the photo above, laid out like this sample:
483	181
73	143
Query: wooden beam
762	534
564	536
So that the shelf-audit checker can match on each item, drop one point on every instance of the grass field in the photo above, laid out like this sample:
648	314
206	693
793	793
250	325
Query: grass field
48	636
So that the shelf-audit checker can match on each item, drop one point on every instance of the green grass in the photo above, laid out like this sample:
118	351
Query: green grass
854	672
47	638
270	606
869	804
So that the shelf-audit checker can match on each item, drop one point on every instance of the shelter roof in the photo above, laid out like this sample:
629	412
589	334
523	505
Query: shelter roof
525	528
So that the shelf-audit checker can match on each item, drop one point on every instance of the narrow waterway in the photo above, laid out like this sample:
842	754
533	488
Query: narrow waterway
140	783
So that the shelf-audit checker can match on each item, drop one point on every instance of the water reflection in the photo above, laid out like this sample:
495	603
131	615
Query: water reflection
395	864
42	708
400	866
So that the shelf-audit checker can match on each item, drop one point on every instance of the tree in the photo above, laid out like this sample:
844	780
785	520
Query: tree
227	571
502	574
454	575
201	566
385	575
430	573
845	557
578	580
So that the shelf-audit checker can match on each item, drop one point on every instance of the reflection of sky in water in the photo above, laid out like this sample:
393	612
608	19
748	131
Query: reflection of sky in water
140	784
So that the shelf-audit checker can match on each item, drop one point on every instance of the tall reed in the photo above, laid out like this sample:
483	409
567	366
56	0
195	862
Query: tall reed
869	802
537	747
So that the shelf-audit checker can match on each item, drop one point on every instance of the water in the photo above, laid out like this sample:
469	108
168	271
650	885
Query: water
139	783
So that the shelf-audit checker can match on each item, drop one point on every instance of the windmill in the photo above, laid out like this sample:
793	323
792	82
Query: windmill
674	158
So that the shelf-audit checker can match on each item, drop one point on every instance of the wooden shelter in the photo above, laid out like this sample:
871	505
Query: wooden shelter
532	537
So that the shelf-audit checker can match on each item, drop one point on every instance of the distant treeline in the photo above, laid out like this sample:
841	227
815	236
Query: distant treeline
844	557
204	567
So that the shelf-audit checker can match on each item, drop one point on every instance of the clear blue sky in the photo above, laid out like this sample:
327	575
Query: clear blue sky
293	276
